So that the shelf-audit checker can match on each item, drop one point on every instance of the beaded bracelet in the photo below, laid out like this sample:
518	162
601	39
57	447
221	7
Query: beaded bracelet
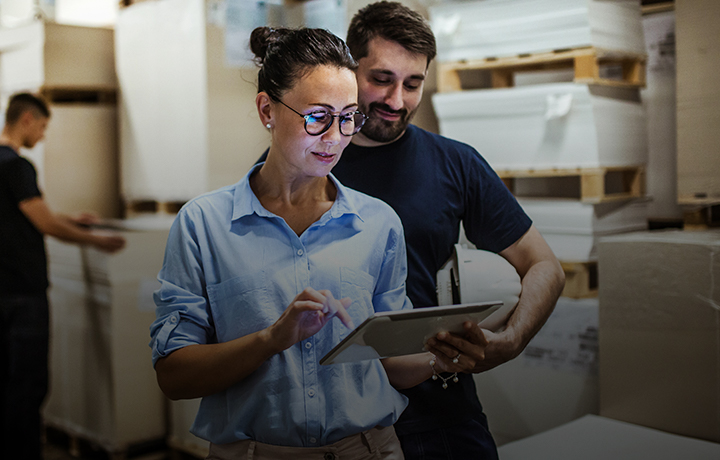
435	375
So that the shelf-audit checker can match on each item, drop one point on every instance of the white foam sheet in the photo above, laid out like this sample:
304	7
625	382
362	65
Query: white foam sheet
598	438
494	28
572	228
556	125
21	57
161	65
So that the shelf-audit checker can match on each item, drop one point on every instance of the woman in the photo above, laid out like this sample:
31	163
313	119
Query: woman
253	273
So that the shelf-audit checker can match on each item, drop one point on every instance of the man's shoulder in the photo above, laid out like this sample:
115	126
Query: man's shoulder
8	154
369	206
430	139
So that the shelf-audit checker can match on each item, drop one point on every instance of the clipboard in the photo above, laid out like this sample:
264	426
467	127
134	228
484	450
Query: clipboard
397	333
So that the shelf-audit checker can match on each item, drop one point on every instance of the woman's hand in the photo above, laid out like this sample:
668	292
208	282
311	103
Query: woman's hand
306	315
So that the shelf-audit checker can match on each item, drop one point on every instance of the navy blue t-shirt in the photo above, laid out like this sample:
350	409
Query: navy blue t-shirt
434	183
23	264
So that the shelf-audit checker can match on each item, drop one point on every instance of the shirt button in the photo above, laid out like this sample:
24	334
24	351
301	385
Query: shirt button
173	319
300	252
311	393
313	440
308	345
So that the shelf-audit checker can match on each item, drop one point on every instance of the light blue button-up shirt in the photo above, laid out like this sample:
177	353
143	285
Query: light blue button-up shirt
231	268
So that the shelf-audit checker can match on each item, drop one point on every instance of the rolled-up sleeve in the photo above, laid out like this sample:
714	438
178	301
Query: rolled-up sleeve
182	311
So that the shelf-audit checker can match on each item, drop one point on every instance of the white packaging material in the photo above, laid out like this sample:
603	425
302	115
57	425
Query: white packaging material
552	382
495	28
188	123
572	229
560	125
104	388
21	57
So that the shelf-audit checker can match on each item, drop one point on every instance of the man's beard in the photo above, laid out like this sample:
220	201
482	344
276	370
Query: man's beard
381	130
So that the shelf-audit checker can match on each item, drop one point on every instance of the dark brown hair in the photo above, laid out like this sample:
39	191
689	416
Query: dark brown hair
393	22
286	55
21	103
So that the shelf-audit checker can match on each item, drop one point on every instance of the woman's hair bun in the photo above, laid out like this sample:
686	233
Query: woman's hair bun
261	38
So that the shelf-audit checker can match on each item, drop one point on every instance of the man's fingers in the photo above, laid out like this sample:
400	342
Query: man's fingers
475	334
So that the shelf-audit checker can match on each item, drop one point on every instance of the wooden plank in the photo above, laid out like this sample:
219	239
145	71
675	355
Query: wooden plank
143	207
586	63
593	181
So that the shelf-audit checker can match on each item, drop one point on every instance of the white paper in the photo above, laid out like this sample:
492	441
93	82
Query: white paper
241	18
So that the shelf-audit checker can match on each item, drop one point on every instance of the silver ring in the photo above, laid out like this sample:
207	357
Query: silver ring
457	358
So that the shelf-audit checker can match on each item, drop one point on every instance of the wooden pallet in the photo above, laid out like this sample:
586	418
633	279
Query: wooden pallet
79	95
586	63
597	185
144	207
702	218
581	279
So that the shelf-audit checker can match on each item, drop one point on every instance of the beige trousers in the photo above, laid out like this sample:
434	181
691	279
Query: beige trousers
376	443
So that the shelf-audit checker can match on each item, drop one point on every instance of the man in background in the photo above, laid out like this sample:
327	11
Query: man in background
24	318
434	184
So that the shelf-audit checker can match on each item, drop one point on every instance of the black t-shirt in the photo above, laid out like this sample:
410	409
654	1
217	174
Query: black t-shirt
434	183
23	264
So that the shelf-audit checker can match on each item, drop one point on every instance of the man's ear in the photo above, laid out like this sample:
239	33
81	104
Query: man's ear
265	109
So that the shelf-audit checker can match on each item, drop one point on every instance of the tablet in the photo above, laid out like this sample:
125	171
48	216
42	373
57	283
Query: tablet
397	333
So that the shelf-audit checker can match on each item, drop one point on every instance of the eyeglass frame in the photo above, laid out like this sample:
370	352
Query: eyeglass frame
332	120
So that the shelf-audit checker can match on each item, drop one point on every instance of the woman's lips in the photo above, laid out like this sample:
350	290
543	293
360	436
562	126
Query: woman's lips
324	156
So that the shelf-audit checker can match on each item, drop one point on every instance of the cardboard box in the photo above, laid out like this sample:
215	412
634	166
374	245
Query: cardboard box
558	125
554	380
81	160
698	100
660	331
57	56
103	386
598	438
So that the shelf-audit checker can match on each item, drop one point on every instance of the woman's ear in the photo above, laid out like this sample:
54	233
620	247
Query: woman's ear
265	109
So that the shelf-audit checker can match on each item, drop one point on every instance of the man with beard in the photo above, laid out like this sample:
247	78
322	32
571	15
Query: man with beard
434	183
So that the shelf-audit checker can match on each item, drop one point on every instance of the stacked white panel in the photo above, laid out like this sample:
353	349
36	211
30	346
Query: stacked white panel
103	385
494	28
559	125
572	229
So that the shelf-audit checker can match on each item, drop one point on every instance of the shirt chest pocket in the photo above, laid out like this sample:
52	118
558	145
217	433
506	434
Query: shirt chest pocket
359	287
241	306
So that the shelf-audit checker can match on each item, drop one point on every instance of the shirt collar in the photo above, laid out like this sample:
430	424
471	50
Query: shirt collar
245	202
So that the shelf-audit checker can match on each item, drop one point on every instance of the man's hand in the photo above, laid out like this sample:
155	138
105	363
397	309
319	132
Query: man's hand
479	350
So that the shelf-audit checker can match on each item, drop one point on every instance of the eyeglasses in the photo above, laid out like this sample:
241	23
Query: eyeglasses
319	121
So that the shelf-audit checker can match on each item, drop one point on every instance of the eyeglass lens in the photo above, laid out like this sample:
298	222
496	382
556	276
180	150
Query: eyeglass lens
318	122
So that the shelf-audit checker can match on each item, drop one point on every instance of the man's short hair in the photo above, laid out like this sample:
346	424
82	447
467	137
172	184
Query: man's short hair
391	21
23	102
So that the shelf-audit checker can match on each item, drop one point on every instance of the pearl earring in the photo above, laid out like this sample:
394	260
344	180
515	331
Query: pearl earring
268	126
